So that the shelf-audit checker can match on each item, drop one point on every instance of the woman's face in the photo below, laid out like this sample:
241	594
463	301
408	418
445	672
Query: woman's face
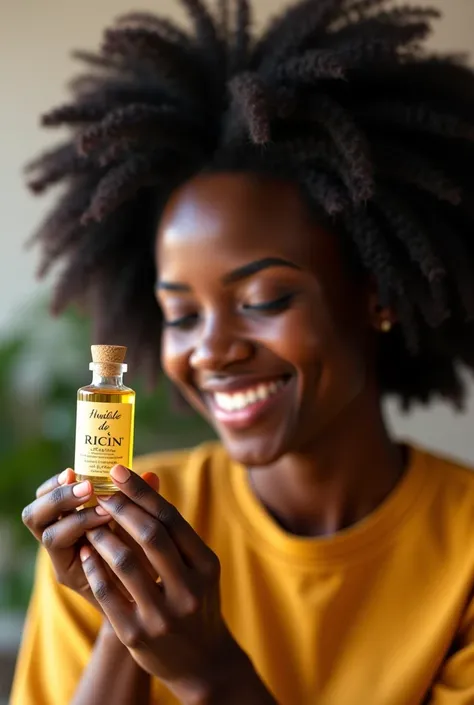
265	331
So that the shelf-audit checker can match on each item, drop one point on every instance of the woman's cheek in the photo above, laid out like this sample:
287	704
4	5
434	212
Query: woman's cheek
174	357
176	351
296	336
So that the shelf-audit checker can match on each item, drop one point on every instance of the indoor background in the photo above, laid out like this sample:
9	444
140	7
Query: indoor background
42	362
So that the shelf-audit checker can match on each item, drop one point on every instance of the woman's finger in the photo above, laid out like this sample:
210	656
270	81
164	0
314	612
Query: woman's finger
64	533
129	541
119	611
152	480
45	510
190	545
66	477
155	542
126	565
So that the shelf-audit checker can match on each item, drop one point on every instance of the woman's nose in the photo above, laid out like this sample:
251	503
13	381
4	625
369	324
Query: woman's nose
215	352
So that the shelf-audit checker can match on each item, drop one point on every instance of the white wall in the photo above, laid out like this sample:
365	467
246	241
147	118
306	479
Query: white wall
35	39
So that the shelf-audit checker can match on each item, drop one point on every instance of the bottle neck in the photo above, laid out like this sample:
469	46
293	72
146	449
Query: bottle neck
107	374
100	380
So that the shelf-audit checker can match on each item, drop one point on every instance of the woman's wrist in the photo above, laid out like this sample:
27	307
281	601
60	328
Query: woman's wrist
234	682
112	675
107	632
242	686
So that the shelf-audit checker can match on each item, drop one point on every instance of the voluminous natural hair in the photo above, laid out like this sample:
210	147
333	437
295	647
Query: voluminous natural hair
338	96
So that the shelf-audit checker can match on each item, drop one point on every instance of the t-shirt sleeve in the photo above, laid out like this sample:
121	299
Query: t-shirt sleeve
60	630
455	682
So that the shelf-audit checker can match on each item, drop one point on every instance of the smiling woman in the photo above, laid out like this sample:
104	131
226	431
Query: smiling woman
279	317
284	225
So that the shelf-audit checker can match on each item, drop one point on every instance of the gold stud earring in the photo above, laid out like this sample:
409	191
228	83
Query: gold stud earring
386	325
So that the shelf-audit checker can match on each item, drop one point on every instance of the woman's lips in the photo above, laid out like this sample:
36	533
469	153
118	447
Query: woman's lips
241	408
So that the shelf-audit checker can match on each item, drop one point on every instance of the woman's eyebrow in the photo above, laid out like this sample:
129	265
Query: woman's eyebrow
247	270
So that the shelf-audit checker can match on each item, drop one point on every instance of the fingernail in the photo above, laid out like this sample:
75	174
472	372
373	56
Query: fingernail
104	497
85	553
82	489
62	478
120	473
101	511
152	480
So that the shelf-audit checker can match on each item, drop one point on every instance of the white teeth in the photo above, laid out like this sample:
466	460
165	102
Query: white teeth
240	400
251	396
225	401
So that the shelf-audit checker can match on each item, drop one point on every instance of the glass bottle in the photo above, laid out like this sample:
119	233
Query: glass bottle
105	420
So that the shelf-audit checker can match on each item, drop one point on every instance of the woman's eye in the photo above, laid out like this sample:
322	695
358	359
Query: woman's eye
183	322
274	306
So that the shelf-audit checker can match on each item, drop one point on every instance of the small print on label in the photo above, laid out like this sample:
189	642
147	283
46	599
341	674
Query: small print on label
102	437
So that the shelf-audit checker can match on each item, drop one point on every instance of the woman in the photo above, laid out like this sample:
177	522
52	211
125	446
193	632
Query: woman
301	208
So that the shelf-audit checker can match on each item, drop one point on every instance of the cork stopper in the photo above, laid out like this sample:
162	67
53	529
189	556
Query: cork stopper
108	359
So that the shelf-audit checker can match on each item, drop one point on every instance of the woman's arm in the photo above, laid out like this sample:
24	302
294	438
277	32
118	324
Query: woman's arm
241	685
175	630
112	676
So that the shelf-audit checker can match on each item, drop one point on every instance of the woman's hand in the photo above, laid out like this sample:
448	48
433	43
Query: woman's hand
54	521
174	629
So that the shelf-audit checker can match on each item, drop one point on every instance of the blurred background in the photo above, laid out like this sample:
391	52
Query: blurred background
43	361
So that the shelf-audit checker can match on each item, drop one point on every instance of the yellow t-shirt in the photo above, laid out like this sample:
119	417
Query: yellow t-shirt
379	614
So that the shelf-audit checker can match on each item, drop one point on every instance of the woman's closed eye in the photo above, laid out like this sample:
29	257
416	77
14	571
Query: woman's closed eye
186	321
265	307
274	306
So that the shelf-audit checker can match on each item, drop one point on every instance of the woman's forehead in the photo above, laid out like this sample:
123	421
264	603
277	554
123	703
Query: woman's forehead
239	213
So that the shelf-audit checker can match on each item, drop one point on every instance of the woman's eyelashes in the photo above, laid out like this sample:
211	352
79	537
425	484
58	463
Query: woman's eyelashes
182	322
274	306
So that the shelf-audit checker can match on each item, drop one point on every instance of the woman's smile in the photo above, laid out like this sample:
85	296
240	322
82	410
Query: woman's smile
244	403
268	342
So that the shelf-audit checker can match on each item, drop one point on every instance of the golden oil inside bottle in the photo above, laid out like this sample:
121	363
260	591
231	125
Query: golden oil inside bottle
105	421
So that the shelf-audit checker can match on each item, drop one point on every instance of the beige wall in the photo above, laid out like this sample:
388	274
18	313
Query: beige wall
35	38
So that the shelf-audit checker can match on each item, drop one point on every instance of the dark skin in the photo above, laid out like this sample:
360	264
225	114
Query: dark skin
327	456
257	297
56	519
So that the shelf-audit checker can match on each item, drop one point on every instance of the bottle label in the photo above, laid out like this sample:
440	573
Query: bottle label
103	437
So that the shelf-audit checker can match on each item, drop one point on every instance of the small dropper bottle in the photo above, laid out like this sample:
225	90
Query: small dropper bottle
105	420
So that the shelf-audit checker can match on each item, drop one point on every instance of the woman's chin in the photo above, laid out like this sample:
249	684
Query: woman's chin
254	452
